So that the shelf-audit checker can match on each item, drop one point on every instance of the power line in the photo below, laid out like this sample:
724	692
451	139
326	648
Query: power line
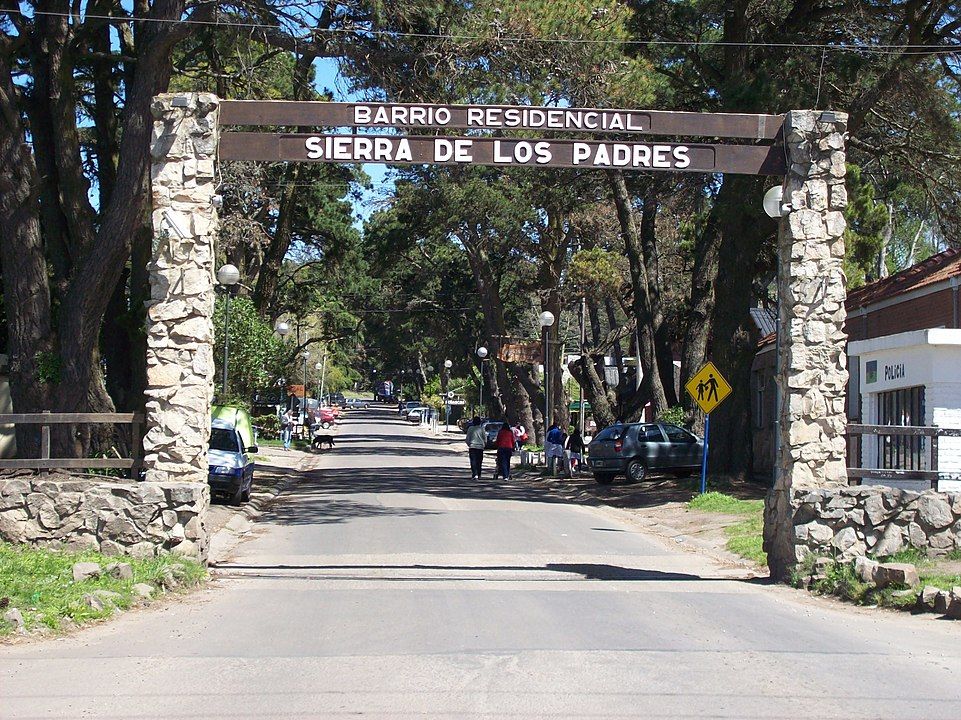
879	48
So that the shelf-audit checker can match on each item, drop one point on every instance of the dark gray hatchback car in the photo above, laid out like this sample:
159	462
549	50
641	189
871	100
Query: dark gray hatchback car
638	449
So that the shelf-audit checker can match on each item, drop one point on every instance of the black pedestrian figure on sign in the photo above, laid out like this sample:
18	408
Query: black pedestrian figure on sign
701	386
711	387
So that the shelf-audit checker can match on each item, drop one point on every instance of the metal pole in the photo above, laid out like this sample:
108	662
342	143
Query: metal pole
223	382
482	387
580	420
547	385
707	435
323	377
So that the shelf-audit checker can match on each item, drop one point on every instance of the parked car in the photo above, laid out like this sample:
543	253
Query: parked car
638	449
326	417
406	407
230	459
357	404
416	414
491	428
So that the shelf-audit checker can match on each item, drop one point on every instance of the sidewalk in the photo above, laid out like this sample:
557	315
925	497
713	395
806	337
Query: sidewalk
276	470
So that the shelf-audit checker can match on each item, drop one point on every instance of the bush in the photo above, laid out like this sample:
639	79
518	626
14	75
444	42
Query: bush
675	416
268	426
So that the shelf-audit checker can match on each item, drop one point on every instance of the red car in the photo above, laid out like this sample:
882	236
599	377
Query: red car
326	417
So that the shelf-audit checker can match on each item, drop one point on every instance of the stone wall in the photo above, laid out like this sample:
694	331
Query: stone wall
812	370
853	521
140	519
180	362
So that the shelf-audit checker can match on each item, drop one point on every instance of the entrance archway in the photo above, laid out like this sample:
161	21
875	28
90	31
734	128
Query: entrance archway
805	147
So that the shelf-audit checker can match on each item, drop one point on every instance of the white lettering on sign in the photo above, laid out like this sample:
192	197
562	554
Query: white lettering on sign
348	148
500	117
499	151
894	372
634	155
522	152
400	115
453	150
315	148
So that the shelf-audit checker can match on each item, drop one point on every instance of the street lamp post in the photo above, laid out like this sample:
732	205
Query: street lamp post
320	394
282	328
306	357
546	320
323	375
482	354
228	276
447	366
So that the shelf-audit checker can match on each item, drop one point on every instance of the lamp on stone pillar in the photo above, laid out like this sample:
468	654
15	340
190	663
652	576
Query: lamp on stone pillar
180	374
811	365
228	276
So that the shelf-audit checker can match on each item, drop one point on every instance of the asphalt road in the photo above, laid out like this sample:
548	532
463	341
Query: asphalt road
387	584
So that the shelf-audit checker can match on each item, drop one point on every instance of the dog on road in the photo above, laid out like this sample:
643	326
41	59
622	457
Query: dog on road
319	441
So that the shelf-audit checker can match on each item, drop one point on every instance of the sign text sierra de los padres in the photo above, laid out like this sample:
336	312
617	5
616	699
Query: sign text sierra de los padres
489	151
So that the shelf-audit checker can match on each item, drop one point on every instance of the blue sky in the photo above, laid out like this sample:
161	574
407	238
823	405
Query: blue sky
328	77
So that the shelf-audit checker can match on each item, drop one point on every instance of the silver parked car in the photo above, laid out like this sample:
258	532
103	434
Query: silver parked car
638	449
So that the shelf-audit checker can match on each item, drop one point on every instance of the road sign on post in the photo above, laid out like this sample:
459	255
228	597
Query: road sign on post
708	388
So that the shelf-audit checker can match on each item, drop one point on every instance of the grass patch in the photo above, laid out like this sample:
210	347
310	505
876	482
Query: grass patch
40	583
746	537
930	571
720	503
747	540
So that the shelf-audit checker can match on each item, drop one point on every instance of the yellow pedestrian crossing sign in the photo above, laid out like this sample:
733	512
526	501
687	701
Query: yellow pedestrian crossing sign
708	387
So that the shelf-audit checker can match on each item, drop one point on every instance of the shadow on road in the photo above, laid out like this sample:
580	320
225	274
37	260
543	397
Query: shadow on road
586	571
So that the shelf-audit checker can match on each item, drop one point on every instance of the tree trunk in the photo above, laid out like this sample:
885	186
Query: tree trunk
700	316
509	377
585	372
641	300
744	232
26	291
664	353
268	279
95	276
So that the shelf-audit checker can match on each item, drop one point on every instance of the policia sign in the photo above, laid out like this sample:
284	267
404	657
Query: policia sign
765	159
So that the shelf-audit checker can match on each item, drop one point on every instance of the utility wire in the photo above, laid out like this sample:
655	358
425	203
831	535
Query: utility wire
879	48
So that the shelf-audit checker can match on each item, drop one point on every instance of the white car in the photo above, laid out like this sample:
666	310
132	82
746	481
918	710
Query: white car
417	414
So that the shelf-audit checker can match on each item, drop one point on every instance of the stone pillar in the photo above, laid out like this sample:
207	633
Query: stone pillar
812	368
180	362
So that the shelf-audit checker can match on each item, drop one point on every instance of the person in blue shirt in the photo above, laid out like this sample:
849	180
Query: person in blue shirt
553	446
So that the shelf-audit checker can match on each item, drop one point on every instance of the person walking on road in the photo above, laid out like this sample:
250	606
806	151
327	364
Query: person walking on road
287	428
575	450
520	436
476	442
554	446
504	442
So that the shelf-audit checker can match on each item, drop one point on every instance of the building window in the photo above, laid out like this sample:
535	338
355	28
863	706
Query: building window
905	408
760	416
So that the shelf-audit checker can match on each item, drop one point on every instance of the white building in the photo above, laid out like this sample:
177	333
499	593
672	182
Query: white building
911	378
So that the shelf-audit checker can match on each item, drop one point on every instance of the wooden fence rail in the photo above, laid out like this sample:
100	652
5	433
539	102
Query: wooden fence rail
46	419
932	475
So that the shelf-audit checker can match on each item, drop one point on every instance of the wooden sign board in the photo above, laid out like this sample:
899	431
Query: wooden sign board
528	353
498	117
504	152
